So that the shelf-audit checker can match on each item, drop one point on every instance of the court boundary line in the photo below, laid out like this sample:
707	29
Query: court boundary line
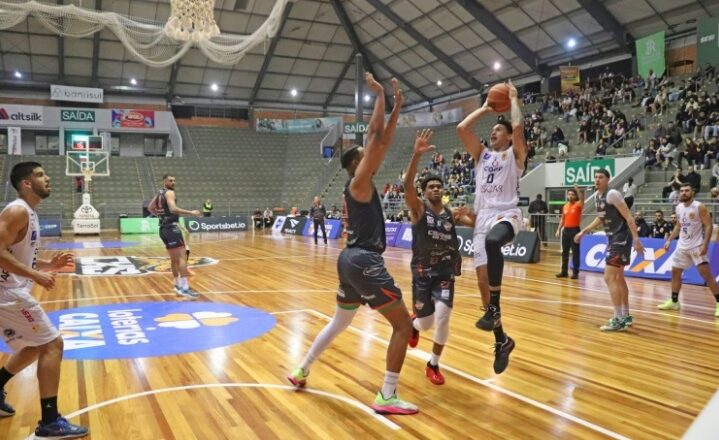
355	403
422	355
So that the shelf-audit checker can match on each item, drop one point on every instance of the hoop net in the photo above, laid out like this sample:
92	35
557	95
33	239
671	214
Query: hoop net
154	44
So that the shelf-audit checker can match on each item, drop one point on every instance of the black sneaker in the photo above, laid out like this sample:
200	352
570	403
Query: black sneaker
5	409
562	275
490	320
501	354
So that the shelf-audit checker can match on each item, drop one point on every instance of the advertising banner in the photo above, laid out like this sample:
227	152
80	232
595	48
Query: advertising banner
524	248
404	237
294	225
391	231
708	41
279	224
216	224
333	228
656	263
581	172
430	119
650	55
133	118
76	94
74	115
311	125
135	225
50	227
570	78
21	114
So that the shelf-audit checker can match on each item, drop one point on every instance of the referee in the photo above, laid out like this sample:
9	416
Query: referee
318	212
569	226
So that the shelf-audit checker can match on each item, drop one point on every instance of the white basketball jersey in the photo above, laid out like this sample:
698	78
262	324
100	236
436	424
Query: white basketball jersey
497	180
24	251
691	234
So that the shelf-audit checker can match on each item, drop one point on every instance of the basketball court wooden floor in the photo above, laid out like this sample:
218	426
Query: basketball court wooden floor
566	379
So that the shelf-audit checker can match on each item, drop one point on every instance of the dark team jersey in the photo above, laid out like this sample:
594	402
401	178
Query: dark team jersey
365	222
661	229
615	226
434	243
163	210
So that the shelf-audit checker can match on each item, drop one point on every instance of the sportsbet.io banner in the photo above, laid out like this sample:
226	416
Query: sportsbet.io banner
656	263
216	224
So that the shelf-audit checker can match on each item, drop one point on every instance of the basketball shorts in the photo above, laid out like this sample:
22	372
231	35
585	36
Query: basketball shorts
428	289
172	236
23	322
365	280
619	255
686	258
485	220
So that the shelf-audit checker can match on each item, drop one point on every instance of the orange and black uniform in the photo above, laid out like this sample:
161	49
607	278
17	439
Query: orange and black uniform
572	213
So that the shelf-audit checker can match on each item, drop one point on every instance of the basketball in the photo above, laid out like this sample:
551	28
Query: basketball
498	98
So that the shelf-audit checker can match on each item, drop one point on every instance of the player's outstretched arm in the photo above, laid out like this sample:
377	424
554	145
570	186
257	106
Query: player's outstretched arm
465	131
361	185
170	197
464	216
391	124
421	146
519	144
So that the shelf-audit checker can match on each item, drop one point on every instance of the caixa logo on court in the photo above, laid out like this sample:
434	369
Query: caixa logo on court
654	261
136	330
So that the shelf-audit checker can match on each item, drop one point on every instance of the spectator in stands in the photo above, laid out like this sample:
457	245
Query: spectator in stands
694	179
711	129
637	149
674	133
660	228
257	218
674	195
601	150
709	71
334	213
667	153
715	175
660	132
557	137
583	132
699	124
629	191
267	217
677	179
294	212
539	208
619	132
207	208
651	153
634	126
672	221
643	228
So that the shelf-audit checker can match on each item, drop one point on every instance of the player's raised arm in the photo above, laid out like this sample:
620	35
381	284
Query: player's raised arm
465	131
421	146
519	144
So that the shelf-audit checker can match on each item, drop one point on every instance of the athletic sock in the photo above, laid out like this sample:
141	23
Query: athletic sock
434	360
625	310
49	409
618	311
499	336
389	387
675	296
184	283
5	376
494	299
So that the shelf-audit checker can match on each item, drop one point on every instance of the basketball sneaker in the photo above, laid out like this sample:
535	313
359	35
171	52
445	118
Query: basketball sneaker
5	409
187	293
298	377
414	338
490	320
614	325
501	354
393	405
629	320
433	374
59	429
669	305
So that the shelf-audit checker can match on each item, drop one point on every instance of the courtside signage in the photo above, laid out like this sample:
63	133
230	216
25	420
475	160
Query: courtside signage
216	224
150	329
656	263
581	172
21	114
333	228
294	225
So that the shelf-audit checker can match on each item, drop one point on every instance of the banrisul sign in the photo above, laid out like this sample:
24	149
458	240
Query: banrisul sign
581	172
77	115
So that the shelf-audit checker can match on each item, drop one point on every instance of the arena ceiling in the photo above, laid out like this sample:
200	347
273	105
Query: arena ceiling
421	42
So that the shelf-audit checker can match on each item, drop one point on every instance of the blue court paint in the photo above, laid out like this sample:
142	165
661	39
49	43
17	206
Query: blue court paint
89	245
149	329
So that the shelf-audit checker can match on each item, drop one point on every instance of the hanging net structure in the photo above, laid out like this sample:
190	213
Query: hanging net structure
154	44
